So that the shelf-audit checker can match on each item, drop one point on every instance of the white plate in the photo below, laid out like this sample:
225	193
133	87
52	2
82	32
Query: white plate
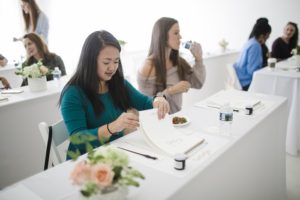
12	91
183	124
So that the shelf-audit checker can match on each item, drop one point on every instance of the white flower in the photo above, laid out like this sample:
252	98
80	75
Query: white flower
35	70
223	43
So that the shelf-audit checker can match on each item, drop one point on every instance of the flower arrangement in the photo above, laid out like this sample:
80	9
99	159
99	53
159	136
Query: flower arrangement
296	51
105	170
223	43
36	70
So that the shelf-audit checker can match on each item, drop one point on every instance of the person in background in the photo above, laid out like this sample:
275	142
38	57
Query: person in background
96	99
35	19
165	72
264	48
36	50
282	46
3	61
251	58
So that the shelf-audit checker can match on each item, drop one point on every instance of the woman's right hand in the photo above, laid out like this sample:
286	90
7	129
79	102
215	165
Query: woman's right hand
125	120
180	87
196	51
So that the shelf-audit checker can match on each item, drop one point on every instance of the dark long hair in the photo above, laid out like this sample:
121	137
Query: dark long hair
157	53
86	76
35	14
294	39
41	46
261	27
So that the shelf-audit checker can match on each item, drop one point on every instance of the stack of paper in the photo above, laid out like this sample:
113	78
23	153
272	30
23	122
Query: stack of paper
161	134
238	103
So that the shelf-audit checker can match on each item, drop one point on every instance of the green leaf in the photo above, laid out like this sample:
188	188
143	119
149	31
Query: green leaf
75	139
117	170
136	173
85	193
74	155
122	42
89	147
130	181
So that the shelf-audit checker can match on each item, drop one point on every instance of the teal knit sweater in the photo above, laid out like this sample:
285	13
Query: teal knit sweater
79	116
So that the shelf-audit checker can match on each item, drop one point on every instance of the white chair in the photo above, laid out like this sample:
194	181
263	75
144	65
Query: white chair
56	139
232	81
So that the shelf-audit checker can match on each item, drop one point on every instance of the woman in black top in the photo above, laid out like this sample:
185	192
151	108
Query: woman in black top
282	46
37	50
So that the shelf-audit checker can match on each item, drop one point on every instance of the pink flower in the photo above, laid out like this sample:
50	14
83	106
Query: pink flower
44	70
103	174
81	173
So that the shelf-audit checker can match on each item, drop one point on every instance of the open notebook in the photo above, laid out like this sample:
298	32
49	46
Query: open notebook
161	134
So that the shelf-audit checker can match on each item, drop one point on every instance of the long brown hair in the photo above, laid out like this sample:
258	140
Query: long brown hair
294	39
40	45
157	53
35	14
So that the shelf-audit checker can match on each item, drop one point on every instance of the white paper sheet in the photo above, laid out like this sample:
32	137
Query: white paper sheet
161	134
235	102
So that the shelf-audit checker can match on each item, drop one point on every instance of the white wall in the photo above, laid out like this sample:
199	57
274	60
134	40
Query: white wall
204	21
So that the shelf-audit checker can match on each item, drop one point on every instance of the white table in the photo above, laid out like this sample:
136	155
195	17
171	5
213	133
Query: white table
287	84
9	73
249	164
22	150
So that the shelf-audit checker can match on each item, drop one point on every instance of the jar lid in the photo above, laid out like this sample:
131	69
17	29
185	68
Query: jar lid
180	157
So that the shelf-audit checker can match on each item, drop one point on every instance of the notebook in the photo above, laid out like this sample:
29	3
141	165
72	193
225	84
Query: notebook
163	136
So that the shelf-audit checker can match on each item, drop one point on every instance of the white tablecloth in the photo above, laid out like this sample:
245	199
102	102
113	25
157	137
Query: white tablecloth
22	149
247	164
287	84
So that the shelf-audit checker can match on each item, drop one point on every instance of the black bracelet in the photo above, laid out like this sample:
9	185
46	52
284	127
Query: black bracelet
164	96
108	129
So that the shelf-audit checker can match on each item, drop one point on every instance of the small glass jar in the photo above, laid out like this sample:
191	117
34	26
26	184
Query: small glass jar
179	161
248	110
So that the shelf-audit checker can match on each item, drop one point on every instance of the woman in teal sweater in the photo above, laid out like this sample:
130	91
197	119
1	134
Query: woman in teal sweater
96	99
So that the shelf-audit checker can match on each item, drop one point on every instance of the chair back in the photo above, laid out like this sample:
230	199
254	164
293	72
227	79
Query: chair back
232	81
54	136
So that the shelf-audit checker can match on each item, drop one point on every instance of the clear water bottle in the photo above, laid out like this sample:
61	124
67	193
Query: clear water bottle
56	75
187	44
226	117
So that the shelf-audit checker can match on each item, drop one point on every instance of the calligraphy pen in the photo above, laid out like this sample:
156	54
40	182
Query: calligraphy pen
141	154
